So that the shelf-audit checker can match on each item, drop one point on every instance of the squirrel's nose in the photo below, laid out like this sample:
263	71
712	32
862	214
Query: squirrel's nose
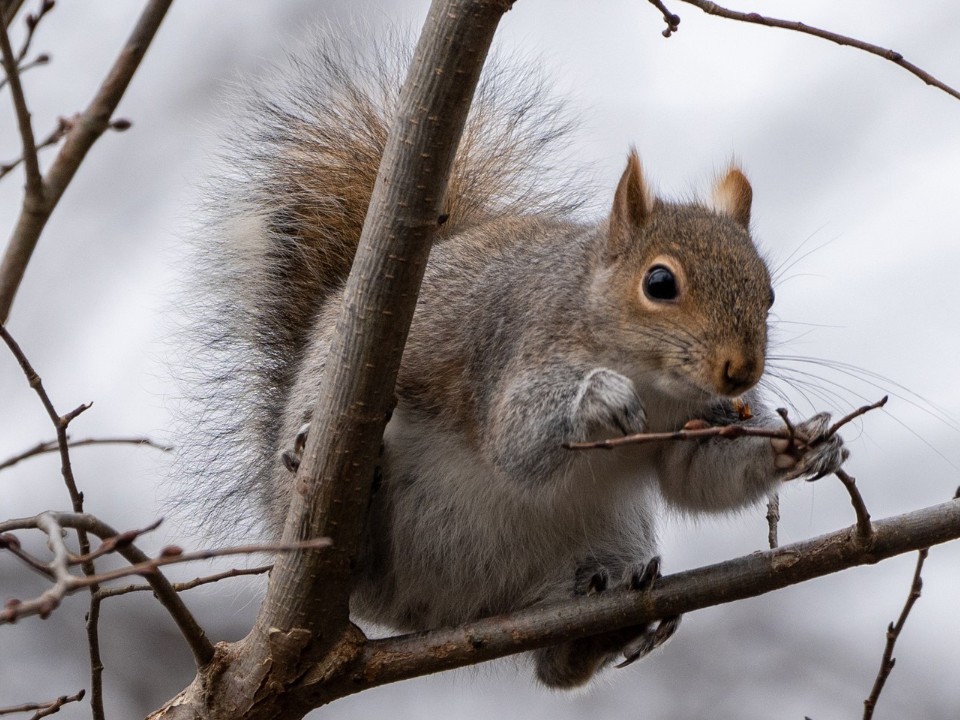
739	373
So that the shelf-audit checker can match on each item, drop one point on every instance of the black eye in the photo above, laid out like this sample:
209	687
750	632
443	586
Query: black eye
660	284
773	296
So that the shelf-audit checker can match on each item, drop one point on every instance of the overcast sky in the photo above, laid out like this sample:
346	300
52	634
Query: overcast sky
855	166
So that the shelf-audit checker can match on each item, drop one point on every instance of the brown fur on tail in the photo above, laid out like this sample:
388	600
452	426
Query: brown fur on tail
286	216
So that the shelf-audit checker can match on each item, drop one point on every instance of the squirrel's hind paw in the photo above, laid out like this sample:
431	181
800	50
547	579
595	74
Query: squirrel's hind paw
574	663
652	637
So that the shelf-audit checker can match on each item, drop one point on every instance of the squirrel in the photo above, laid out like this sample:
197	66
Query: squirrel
532	329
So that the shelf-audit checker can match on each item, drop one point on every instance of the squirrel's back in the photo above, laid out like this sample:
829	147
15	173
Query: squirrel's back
284	219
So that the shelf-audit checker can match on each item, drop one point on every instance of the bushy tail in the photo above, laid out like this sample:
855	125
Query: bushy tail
286	219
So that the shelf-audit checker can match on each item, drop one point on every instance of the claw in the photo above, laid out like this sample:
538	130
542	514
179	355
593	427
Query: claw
597	584
291	460
300	441
648	576
649	640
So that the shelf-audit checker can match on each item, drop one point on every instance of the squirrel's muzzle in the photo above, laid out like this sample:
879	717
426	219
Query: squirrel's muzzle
736	372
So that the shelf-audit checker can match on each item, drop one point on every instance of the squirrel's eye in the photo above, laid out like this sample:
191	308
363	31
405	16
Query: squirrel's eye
773	296
660	284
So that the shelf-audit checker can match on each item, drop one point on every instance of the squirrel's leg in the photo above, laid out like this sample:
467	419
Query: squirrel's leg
720	474
573	663
537	412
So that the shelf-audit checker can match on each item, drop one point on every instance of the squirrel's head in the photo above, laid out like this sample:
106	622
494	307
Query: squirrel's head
692	291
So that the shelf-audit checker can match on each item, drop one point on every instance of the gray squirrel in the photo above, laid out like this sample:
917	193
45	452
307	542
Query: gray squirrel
532	330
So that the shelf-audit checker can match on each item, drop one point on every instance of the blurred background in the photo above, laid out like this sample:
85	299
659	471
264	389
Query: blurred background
855	166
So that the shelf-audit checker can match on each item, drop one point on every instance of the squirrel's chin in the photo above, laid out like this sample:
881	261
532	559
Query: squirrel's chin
682	388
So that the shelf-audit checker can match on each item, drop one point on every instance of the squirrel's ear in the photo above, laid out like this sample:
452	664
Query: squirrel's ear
632	206
732	195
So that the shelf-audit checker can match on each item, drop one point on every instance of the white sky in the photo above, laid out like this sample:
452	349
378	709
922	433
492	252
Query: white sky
851	159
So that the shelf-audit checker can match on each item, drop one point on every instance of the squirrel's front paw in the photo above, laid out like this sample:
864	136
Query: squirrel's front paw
811	452
607	399
291	458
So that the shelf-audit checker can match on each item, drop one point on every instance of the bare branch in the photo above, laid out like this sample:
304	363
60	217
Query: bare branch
893	56
43	709
63	126
89	126
311	591
171	601
39	60
853	415
773	518
672	21
66	583
8	10
893	632
34	185
105	593
49	446
59	422
305	616
695	430
864	528
32	22
398	658
11	544
96	661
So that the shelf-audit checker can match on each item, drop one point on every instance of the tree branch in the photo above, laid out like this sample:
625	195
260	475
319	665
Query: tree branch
34	184
52	523
305	616
893	56
49	446
105	593
89	126
893	632
199	643
43	709
8	10
399	658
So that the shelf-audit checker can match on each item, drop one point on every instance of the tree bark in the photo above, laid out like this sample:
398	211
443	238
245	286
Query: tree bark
304	622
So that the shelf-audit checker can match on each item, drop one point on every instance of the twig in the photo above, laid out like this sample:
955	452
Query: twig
864	528
893	56
112	544
90	125
773	518
47	602
11	544
32	21
729	432
50	446
34	194
93	651
60	422
171	601
893	632
66	583
110	592
43	709
39	60
63	126
862	410
672	21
